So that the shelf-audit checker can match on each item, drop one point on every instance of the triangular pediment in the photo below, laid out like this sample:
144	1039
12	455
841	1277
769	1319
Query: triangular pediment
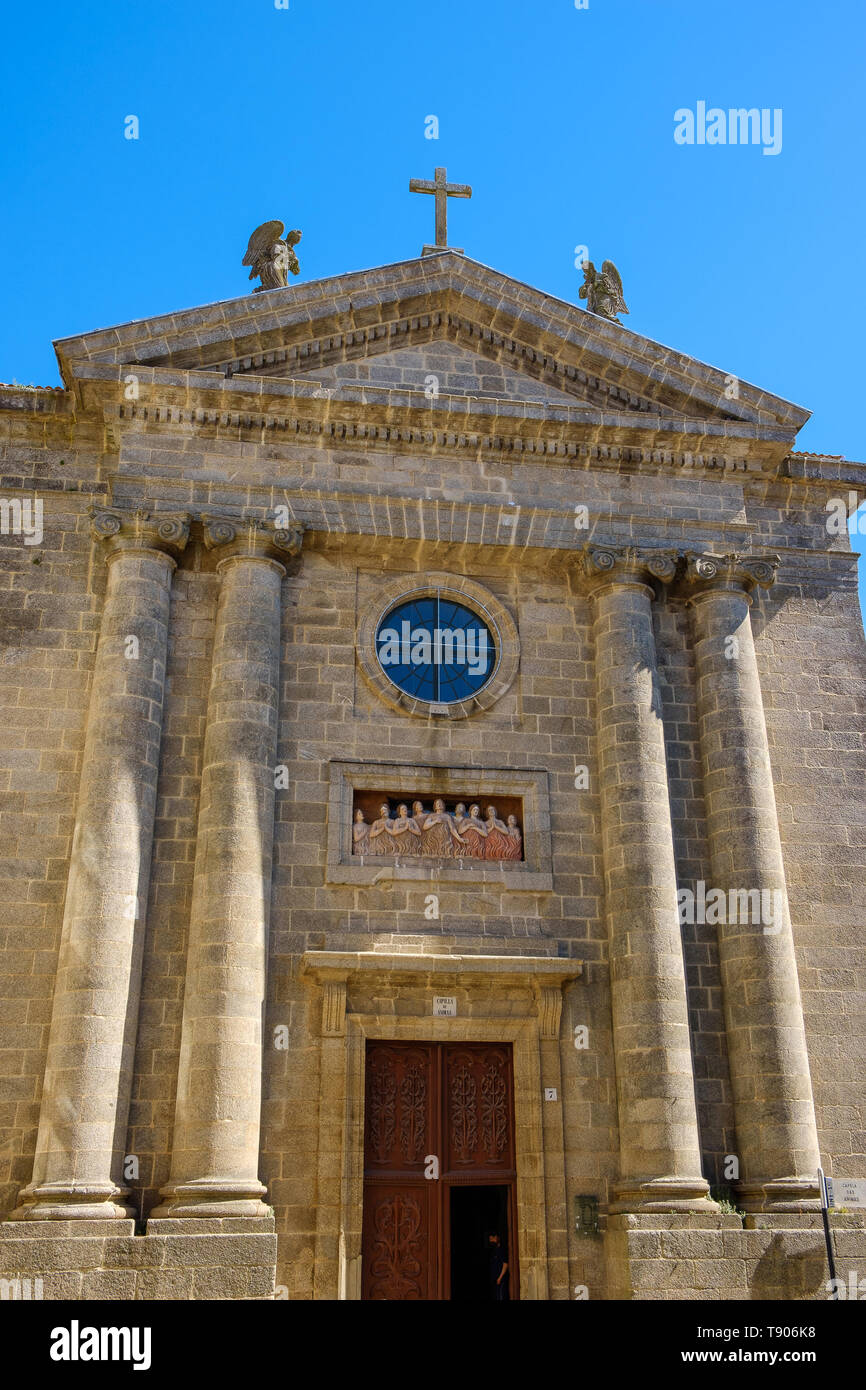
437	367
493	337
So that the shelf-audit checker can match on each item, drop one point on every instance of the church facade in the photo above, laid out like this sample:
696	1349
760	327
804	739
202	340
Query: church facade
433	801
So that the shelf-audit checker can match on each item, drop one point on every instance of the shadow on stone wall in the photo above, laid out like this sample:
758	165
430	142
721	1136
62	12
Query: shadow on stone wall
794	1265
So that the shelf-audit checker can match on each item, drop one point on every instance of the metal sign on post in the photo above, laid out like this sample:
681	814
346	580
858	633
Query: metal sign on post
847	1192
826	1200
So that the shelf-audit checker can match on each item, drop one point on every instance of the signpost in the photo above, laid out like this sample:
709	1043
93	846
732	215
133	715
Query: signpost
826	1200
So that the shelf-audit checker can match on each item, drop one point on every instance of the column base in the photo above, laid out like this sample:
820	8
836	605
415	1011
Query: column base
61	1201
662	1194
212	1197
779	1195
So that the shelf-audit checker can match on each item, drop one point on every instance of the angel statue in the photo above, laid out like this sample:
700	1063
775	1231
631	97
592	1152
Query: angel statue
603	293
270	258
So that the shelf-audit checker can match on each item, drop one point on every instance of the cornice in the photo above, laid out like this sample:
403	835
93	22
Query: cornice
408	421
234	329
415	438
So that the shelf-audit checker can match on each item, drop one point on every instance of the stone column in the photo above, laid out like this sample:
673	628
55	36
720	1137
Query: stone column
77	1170
215	1152
660	1166
777	1138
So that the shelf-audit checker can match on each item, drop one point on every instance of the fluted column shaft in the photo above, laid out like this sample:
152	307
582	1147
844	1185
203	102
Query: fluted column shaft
215	1153
77	1170
660	1166
777	1143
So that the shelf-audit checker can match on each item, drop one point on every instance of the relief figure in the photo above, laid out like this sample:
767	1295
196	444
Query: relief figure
497	845
380	839
440	832
402	830
474	832
514	835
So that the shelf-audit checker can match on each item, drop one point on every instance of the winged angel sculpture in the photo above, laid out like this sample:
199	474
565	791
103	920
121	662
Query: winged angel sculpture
603	293
271	258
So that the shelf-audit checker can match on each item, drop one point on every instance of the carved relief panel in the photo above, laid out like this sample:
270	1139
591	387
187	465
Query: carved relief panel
492	824
399	1254
480	1132
384	823
400	1089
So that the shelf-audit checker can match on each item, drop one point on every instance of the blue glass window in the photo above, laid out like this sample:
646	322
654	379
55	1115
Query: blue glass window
435	648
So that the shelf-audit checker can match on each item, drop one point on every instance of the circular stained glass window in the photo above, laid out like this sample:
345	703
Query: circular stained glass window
435	648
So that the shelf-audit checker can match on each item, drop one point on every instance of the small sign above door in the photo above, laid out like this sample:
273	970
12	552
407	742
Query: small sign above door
444	1006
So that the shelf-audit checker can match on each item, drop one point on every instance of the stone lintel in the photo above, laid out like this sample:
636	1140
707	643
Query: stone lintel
548	971
543	976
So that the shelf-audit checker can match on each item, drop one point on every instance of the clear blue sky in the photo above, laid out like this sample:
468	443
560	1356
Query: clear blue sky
561	119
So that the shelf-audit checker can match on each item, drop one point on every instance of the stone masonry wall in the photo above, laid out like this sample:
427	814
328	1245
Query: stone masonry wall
50	603
810	649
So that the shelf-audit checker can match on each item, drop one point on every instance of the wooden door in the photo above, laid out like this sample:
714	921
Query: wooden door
452	1102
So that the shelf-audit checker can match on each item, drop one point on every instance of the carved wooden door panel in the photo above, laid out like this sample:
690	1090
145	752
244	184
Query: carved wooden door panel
401	1110
449	1101
480	1131
401	1210
400	1244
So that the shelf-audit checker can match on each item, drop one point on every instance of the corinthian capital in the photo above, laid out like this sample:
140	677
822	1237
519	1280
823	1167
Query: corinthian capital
730	571
252	537
139	530
627	564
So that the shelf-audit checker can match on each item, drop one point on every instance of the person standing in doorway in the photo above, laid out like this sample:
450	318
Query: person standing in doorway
498	1269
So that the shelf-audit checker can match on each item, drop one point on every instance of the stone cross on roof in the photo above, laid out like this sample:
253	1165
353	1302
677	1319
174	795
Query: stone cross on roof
442	191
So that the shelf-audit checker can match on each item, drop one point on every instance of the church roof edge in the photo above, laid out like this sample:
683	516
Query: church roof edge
493	293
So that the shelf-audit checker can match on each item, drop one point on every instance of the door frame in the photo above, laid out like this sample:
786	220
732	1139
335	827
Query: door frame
387	996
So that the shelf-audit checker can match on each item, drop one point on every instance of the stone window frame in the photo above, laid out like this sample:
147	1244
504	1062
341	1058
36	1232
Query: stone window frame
533	874
474	596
